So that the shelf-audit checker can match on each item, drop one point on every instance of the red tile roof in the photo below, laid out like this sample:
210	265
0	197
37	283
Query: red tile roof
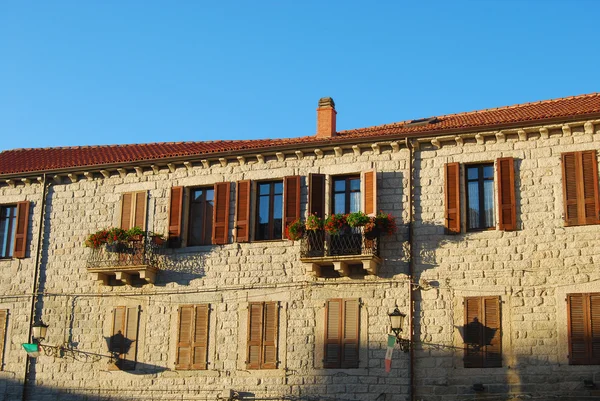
48	159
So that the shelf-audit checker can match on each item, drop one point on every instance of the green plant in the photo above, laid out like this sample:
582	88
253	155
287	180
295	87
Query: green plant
357	219
335	223
154	234
295	230
116	235
134	231
314	222
386	223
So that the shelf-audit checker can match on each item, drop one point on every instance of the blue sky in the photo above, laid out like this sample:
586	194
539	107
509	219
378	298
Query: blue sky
111	72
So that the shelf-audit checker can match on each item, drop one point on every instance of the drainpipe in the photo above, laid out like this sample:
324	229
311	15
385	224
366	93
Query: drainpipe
411	268
34	286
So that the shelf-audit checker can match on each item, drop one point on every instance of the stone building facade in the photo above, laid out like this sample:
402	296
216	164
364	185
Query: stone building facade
494	262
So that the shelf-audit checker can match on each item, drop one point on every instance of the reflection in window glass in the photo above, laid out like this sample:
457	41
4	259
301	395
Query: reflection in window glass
346	194
269	222
201	216
480	196
8	215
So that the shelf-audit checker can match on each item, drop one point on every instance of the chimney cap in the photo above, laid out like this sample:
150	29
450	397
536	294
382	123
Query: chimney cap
326	102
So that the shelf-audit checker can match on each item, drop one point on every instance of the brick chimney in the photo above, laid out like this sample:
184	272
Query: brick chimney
326	118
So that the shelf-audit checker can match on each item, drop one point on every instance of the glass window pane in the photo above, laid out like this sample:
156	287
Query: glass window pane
354	202
339	185
473	204
278	188
339	203
264	189
7	230
472	173
488	171
210	194
488	203
277	206
355	184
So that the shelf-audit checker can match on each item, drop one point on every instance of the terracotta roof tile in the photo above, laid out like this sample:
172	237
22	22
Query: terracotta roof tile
45	159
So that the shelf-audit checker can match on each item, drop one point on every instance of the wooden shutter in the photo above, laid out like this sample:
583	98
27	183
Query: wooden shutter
133	210
200	337
370	192
255	333
242	211
3	319
175	213
20	247
472	333
350	334
124	336
482	332
184	340
580	188
220	229
506	194
291	204
316	194
333	334
269	346
590	204
492	336
584	328
452	195
131	335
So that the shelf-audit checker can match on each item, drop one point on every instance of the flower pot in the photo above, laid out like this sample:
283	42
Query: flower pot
158	241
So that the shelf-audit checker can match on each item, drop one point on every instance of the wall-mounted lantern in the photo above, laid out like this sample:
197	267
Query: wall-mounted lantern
38	331
396	323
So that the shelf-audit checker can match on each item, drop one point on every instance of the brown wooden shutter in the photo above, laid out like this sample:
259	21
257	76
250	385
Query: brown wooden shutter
131	335
594	300
316	194
492	336
590	200
271	323
20	247
452	195
184	340
139	218
506	194
578	325
580	188
350	334
370	194
472	333
117	339
333	334
3	319
126	210
242	213
200	337
255	333
220	233
175	213
291	205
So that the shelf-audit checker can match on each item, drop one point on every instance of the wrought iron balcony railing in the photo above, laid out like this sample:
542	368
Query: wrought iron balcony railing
125	259
353	241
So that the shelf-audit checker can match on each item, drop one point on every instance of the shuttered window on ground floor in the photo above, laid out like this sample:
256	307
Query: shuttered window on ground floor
584	328
482	332
342	323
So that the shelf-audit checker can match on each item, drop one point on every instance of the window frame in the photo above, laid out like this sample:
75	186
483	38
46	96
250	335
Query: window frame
481	180
588	320
4	313
272	235
347	192
575	186
341	341
127	320
8	252
483	357
262	343
210	220
203	308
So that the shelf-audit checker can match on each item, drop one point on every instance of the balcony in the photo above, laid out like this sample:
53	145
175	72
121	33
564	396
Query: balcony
125	261
351	248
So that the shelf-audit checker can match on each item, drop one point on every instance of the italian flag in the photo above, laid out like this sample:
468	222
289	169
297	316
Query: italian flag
390	350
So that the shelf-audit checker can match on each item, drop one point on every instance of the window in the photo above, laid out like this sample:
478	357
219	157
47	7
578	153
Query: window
133	210
123	341
3	319
345	194
192	338
584	328
8	217
580	188
201	216
482	332
480	196
269	206
479	193
14	223
263	322
341	333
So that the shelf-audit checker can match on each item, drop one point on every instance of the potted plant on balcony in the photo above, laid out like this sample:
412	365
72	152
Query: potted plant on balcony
315	236
357	219
135	234
97	239
157	238
116	238
386	223
336	224
314	222
295	230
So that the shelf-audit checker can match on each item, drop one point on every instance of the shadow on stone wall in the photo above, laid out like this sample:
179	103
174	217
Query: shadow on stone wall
181	268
